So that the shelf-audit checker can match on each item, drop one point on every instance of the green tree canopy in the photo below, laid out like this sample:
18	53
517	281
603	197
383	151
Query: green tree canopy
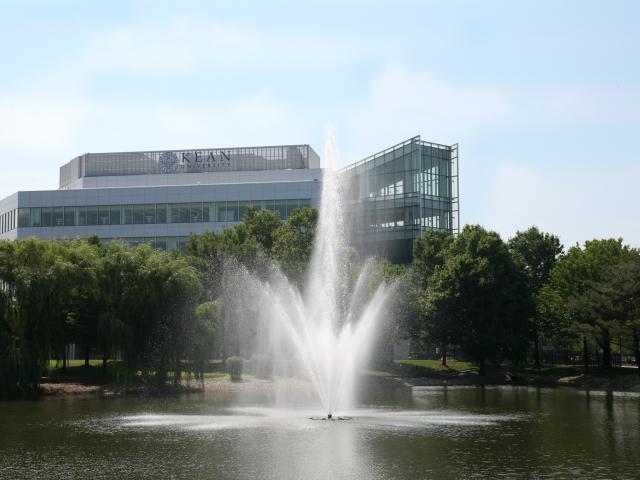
483	293
536	253
293	243
573	280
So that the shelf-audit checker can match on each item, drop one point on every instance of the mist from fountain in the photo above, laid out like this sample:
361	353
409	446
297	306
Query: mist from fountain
328	329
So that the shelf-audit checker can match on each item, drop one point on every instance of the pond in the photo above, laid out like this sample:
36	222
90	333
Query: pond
420	432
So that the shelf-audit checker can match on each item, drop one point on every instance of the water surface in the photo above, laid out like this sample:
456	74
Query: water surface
501	432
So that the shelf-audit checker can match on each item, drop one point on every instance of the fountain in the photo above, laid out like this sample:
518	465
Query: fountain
329	327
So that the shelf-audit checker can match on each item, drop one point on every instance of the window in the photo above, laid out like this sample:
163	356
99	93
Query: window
92	215
127	214
57	216
179	213
81	216
281	208
229	213
35	217
150	213
24	217
103	215
219	211
138	214
114	215
196	212
206	212
161	213
69	216
174	212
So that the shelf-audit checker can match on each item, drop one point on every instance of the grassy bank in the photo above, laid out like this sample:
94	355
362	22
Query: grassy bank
79	379
432	372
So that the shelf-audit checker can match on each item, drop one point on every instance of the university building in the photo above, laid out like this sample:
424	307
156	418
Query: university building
161	197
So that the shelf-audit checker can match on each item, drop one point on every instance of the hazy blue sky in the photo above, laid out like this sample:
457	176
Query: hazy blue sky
543	97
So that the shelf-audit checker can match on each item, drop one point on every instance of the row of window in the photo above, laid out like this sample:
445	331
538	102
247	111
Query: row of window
430	181
7	221
193	212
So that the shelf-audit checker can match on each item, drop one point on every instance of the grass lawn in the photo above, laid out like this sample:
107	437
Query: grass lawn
378	373
74	363
436	365
77	372
573	370
223	376
427	368
421	368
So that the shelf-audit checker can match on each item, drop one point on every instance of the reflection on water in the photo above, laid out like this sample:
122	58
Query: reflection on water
262	417
398	433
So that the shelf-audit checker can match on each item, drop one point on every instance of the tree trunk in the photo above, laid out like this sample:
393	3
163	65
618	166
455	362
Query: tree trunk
585	354
86	356
536	350
606	348
444	354
64	359
636	348
104	365
481	368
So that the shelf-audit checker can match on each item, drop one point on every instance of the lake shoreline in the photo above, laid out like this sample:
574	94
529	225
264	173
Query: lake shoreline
624	383
628	382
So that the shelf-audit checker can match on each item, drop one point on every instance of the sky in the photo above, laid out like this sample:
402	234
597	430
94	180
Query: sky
543	97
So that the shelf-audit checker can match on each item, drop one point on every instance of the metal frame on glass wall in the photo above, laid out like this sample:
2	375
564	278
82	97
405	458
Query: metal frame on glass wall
415	178
398	193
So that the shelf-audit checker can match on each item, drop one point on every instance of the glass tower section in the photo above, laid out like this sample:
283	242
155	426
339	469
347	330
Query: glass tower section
397	194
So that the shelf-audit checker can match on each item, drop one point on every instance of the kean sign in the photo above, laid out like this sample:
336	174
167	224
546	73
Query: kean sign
197	160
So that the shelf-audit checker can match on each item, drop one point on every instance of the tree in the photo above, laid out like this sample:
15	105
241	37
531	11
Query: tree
293	243
160	292
429	254
76	298
574	277
28	287
112	264
536	253
484	294
615	296
262	225
207	326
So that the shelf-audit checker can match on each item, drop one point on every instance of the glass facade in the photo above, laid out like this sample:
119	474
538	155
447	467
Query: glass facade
153	213
395	195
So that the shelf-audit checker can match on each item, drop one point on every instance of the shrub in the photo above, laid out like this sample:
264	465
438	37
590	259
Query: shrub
261	365
234	367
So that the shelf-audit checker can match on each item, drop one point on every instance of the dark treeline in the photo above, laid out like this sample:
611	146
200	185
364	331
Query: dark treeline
160	314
